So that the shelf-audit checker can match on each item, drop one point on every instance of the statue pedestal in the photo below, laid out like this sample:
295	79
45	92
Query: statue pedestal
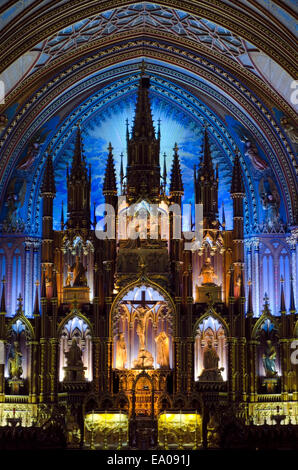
74	374
144	360
270	383
208	292
15	385
80	294
211	375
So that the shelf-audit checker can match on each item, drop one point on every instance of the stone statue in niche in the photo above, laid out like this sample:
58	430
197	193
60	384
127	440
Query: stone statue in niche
15	369
74	355
251	151
207	273
211	371
269	359
145	358
79	274
74	370
290	130
121	352
270	202
162	344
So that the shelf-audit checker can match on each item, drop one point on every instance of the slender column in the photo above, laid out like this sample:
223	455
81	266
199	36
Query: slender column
33	372
252	370
190	364
231	368
43	370
293	243
256	280
28	279
96	365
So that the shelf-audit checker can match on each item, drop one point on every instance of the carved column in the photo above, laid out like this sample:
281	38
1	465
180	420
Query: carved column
54	369
253	370
231	368
28	278
190	365
43	370
97	372
33	371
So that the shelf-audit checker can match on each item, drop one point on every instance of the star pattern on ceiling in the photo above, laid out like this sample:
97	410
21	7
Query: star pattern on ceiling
148	16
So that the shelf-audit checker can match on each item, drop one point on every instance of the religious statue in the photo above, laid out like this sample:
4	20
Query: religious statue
269	359
207	273
162	344
79	274
121	353
270	202
251	151
68	278
290	130
142	315
74	355
211	372
74	370
15	369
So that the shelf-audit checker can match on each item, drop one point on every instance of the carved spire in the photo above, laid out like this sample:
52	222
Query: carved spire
237	186
292	298
36	311
206	185
78	188
282	296
48	183
109	182
207	165
143	122
3	303
223	223
176	184
143	148
78	166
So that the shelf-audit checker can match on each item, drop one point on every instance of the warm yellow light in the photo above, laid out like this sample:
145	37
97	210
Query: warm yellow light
177	418
106	418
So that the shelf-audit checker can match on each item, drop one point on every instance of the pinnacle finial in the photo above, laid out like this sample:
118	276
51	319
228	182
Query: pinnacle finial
3	303
176	184
237	186
282	296
109	182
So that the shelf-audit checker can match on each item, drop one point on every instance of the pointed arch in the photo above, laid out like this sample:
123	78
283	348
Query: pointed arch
143	280
265	316
210	312
24	320
74	313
